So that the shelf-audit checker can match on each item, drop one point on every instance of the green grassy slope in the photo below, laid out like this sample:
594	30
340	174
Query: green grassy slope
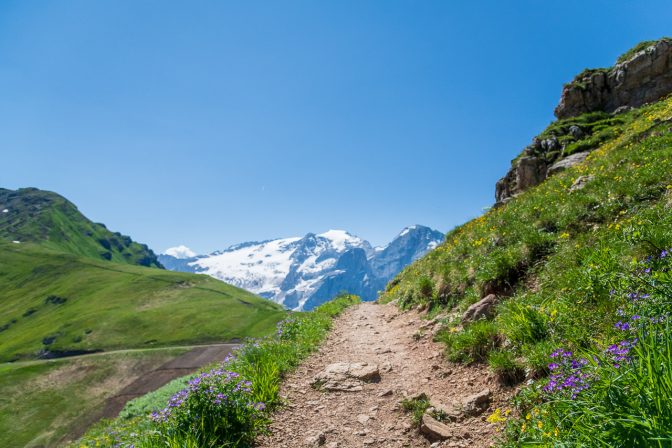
46	218
54	301
43	401
553	249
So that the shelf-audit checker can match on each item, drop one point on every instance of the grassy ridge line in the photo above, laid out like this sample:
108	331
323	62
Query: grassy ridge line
48	219
191	411
55	301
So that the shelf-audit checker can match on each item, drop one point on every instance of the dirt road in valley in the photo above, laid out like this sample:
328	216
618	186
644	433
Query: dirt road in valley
408	362
142	382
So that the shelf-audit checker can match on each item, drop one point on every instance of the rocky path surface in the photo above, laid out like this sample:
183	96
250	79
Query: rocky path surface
348	394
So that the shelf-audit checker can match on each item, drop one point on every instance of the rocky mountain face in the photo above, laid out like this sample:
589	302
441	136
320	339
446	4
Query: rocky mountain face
304	272
588	114
644	77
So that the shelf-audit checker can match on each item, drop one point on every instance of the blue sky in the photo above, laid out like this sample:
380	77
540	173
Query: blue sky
208	123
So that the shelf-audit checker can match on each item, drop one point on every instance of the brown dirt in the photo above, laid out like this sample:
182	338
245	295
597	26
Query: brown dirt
409	364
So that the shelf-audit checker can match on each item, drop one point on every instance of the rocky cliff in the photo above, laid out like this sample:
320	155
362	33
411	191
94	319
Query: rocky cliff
643	77
589	113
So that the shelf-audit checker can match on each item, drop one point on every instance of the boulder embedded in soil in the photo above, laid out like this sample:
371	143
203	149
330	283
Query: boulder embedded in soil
347	377
476	404
433	429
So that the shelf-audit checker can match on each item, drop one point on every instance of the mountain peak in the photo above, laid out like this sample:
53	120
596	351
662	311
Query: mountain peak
303	272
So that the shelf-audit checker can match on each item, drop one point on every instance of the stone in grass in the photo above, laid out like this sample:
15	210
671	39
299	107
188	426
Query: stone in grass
484	308
347	377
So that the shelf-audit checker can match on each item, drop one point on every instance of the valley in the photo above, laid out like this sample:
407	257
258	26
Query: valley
544	321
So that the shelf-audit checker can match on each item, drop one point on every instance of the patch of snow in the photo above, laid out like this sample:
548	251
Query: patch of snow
341	240
180	252
407	229
432	245
258	268
16	242
5	211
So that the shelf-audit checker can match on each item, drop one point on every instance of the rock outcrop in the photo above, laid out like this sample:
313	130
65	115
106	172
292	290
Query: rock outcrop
641	77
483	309
644	77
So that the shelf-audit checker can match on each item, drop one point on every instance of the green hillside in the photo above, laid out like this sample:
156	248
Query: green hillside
37	216
52	301
565	259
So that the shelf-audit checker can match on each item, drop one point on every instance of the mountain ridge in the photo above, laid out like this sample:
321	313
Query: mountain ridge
52	221
303	272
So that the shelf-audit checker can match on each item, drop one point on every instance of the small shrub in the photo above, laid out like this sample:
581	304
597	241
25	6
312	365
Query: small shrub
522	323
217	407
426	287
506	367
472	344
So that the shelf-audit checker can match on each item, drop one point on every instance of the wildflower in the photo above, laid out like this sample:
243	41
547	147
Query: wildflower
623	326
496	417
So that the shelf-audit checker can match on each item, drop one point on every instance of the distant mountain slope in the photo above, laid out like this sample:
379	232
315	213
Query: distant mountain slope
301	273
53	302
46	218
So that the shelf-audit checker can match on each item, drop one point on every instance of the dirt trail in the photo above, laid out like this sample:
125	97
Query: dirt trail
372	417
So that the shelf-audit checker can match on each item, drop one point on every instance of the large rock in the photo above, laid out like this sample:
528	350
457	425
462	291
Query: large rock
433	429
643	78
476	404
567	162
348	377
483	309
526	172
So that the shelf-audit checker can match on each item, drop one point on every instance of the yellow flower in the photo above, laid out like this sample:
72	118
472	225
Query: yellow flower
496	417
539	424
528	416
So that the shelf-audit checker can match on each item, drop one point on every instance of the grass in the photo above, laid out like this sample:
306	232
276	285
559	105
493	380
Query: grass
52	221
416	406
57	302
637	48
554	253
616	393
42	402
472	344
250	381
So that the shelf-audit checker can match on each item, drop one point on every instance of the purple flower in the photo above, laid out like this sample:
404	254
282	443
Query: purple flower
623	326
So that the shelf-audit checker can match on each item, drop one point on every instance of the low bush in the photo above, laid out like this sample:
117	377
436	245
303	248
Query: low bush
472	344
508	370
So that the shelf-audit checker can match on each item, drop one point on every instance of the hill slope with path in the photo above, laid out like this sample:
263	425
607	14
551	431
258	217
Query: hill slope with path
408	364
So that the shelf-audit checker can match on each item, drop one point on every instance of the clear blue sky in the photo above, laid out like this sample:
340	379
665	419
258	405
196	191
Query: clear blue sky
208	123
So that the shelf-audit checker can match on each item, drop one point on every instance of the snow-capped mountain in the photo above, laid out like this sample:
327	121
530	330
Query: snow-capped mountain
301	273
